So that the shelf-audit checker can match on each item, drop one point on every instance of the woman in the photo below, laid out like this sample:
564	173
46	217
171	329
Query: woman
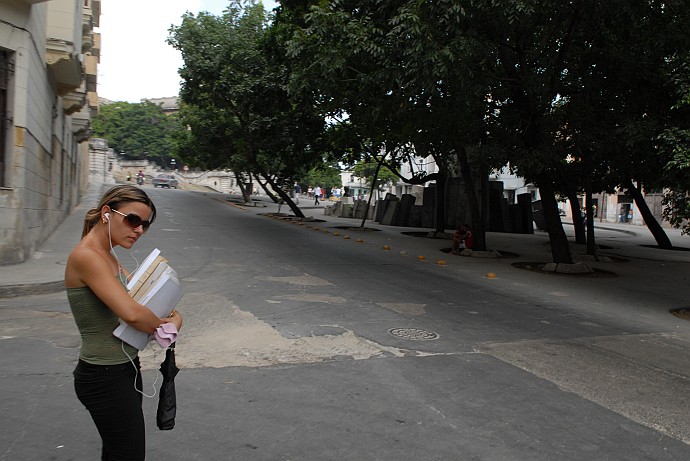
107	378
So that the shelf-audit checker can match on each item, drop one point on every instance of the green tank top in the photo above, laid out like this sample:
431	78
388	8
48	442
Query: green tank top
96	323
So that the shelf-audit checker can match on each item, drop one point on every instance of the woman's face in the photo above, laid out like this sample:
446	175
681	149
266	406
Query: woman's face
122	231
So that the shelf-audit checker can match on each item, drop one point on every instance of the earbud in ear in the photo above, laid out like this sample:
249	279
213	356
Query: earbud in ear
107	216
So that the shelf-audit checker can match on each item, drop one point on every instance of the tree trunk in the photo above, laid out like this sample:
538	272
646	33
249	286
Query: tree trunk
560	248
371	193
244	188
440	212
477	224
286	198
575	211
578	223
270	194
652	224
589	215
483	212
250	187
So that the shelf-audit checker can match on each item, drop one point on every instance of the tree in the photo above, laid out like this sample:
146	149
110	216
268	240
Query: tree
325	175
622	101
140	130
591	75
674	142
234	83
370	169
572	107
392	72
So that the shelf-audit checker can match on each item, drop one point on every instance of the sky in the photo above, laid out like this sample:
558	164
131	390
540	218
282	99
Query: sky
136	63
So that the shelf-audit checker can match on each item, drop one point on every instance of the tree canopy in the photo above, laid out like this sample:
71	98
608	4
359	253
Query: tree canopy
573	95
237	108
139	130
577	97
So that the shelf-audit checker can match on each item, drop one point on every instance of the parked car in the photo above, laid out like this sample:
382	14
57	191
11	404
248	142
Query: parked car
165	180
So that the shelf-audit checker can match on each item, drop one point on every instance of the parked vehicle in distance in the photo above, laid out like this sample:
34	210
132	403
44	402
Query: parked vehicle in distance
165	180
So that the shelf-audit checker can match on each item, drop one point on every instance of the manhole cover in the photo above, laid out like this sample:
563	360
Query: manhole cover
415	334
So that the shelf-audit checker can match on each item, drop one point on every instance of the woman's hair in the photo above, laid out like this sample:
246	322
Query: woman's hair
114	197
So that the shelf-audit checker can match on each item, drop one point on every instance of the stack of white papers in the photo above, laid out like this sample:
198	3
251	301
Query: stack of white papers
155	285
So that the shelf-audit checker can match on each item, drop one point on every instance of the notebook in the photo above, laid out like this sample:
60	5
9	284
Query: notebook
158	288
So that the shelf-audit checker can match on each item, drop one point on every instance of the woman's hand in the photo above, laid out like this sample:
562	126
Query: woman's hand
175	318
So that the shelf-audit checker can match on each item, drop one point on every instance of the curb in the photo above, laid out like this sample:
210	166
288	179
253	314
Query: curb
612	229
15	291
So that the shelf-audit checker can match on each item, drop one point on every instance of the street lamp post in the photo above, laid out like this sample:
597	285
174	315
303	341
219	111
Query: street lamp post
122	158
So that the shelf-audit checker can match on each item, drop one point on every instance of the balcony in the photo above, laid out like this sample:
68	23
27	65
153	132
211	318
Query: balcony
73	101
64	65
87	32
96	12
81	124
92	99
96	47
91	70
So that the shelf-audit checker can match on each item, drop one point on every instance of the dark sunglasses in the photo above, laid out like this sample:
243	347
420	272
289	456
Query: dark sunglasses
133	220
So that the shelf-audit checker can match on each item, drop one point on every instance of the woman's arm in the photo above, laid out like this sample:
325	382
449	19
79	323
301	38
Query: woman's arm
96	272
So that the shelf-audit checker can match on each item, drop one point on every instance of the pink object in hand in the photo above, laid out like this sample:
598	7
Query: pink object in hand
166	334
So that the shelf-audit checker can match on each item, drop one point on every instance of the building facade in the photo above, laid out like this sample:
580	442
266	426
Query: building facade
49	54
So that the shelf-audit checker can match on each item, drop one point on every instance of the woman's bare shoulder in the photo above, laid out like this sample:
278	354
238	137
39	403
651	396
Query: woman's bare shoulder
84	262
83	254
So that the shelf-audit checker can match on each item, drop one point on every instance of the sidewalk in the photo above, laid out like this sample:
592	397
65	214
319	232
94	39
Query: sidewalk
43	272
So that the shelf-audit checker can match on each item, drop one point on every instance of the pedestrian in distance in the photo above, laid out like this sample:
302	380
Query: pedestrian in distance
462	238
107	378
317	194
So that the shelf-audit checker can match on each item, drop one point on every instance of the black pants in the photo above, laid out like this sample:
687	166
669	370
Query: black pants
107	391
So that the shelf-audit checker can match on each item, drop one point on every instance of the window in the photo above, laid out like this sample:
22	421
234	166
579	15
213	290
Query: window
5	72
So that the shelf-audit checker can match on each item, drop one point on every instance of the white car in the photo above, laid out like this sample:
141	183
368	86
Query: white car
165	180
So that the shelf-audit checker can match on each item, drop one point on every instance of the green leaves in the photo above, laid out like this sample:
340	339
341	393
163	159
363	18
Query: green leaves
536	84
234	89
140	130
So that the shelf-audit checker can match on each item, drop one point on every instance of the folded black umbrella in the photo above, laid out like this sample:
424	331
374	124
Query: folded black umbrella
167	400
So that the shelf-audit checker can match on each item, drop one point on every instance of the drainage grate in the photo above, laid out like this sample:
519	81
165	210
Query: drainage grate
415	334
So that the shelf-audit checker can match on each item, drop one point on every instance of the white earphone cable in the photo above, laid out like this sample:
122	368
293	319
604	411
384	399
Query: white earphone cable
136	371
119	274
119	266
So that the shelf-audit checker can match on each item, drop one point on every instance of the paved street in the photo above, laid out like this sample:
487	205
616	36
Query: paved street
311	341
